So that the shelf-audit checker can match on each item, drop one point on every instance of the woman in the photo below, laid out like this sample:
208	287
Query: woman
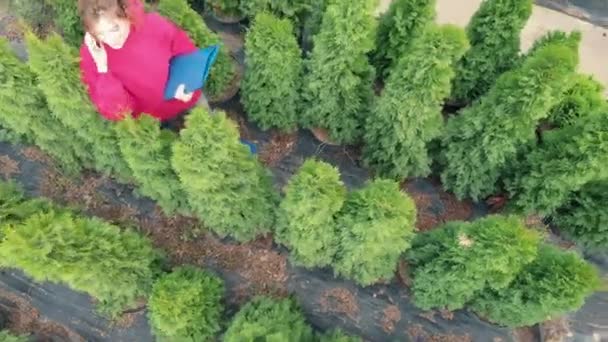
125	59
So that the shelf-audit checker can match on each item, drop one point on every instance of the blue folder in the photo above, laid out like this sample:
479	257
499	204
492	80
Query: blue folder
190	69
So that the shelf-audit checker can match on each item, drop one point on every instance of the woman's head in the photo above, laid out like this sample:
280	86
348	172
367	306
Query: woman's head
109	21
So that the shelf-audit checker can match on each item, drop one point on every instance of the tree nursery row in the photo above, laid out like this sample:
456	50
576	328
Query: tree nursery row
528	126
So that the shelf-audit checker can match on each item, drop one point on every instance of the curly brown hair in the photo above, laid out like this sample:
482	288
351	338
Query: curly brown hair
91	10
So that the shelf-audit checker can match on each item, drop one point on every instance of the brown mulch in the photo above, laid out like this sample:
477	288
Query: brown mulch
35	154
340	300
417	333
446	314
279	146
391	316
8	167
25	320
403	274
555	330
10	29
453	209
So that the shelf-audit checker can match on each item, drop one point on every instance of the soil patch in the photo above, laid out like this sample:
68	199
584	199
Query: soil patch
279	146
403	273
446	314
35	154
8	167
9	28
391	316
340	300
418	334
23	319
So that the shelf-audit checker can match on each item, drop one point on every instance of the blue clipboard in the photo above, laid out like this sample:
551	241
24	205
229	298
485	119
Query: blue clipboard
190	69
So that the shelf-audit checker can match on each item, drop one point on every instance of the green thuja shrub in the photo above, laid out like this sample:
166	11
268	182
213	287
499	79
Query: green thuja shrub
67	20
456	262
227	187
568	159
115	267
585	96
556	283
224	70
226	7
376	226
39	15
338	87
266	319
482	142
408	114
584	217
147	150
6	336
56	67
494	34
572	39
186	305
26	114
306	218
404	21
337	336
271	88
15	208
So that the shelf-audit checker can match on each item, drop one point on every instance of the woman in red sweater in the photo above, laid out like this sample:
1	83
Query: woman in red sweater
125	59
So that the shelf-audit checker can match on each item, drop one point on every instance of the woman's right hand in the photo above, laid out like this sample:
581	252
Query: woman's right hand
98	52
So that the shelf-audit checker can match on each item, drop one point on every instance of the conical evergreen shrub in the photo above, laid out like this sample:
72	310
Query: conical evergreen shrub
15	208
226	7
338	87
56	67
266	319
306	219
584	217
271	88
404	21
556	283
227	187
376	226
67	19
115	267
408	114
6	336
337	336
224	69
572	39
494	34
26	114
568	159
454	263
481	142
186	305
147	150
585	96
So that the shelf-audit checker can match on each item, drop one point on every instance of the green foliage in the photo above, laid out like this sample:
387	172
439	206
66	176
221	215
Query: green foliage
584	217
226	186
147	150
337	336
37	14
271	88
376	226
408	115
572	39
265	319
115	267
186	305
15	208
224	70
455	263
226	7
6	336
568	159
306	218
404	21
67	19
556	283
585	96
494	35
56	67
338	87
482	142
26	114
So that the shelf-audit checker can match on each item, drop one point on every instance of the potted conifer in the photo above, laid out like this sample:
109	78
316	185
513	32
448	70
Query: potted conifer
226	11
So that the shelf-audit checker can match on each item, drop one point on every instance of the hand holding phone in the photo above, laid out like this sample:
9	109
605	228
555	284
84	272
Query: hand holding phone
98	52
